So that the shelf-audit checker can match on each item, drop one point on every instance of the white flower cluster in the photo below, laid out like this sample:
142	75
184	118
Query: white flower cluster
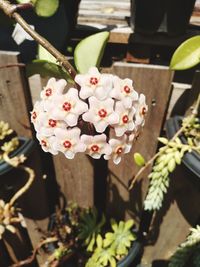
76	120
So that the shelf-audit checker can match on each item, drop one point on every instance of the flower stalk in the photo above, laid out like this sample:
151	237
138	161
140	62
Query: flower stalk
10	10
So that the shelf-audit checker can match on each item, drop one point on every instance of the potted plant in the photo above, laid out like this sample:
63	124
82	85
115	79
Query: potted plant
13	152
120	108
12	145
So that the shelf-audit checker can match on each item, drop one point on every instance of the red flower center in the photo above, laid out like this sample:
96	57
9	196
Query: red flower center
127	89
43	143
125	119
95	148
52	123
48	92
93	81
143	111
102	113
119	150
67	106
67	144
34	115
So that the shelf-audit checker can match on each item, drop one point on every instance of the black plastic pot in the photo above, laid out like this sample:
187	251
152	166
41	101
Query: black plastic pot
133	253
190	160
25	147
147	15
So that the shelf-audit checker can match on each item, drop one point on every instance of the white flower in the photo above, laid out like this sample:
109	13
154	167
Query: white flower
125	119
141	110
94	83
123	90
68	142
37	110
96	145
47	143
52	88
119	147
67	107
101	113
46	125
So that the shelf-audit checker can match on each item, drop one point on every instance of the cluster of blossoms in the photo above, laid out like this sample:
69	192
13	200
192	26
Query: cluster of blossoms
76	120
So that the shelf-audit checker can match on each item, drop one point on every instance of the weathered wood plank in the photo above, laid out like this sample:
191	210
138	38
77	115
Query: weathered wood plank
75	178
155	83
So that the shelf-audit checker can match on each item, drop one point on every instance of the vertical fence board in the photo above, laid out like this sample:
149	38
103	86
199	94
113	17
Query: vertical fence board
155	83
75	178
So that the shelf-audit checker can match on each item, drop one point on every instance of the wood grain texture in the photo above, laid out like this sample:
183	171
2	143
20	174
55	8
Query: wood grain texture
14	104
155	83
75	178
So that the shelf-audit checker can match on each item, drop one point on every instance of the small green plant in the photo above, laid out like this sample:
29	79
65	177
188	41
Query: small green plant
114	246
188	253
89	227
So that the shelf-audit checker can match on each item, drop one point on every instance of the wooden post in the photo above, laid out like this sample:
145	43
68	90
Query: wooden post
155	83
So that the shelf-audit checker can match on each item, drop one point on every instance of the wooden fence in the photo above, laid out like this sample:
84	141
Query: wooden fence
83	179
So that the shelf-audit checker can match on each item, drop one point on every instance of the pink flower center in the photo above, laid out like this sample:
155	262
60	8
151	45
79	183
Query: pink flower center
34	115
43	143
102	113
119	150
48	92
125	119
127	89
143	111
52	123
67	144
93	81
67	106
95	148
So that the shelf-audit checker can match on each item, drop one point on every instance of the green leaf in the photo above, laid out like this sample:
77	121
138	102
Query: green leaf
46	8
88	53
43	54
46	69
163	140
171	165
187	55
139	160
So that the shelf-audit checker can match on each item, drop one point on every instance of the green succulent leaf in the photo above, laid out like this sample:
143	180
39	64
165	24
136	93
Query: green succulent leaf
46	69
43	54
88	53
90	227
139	159
187	54
46	8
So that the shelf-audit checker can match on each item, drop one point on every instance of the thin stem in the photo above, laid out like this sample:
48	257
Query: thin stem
9	9
32	257
27	185
194	113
